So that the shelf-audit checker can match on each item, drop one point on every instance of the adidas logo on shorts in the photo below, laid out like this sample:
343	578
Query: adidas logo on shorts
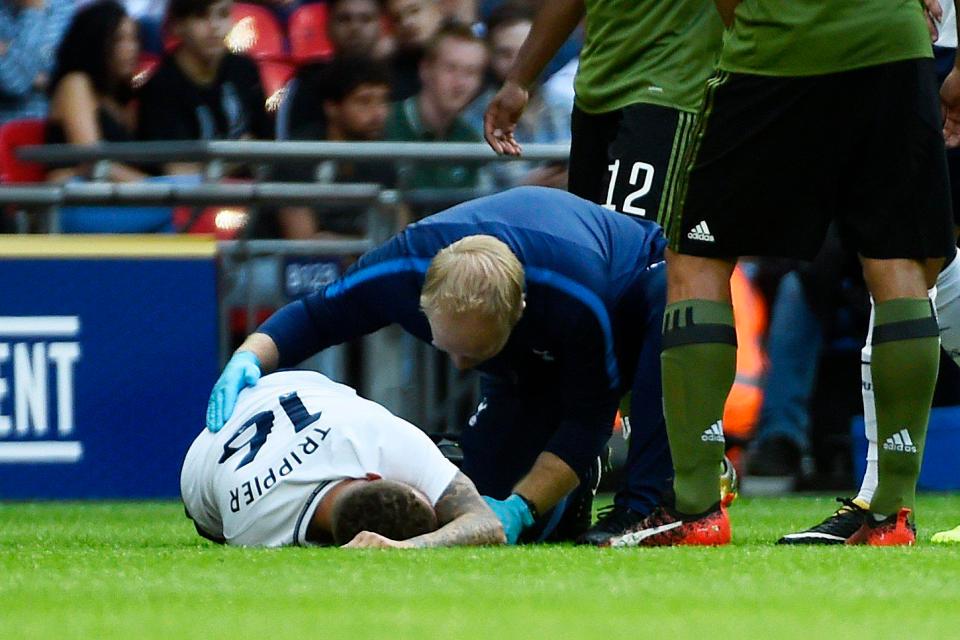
900	441
701	232
713	433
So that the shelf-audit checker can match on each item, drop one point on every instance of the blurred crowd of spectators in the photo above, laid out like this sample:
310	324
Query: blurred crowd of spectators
405	70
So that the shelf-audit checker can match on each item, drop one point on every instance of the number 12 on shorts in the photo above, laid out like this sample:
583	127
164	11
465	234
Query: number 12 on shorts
634	179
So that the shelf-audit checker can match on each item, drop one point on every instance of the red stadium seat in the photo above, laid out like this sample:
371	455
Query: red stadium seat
274	77
225	223
308	34
146	65
15	134
255	33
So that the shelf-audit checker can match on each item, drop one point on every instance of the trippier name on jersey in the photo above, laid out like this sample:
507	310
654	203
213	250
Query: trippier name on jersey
252	490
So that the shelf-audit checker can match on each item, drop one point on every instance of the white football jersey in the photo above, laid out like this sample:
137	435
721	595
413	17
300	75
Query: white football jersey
291	437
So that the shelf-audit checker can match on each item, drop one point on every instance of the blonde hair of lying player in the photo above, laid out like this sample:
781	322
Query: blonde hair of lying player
472	297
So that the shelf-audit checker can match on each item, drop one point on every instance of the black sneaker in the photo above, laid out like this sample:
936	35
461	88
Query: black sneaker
613	522
834	530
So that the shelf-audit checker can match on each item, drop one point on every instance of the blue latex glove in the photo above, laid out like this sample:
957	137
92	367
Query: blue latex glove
514	515
242	371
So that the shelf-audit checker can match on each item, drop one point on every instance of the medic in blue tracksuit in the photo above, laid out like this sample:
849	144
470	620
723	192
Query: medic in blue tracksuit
590	332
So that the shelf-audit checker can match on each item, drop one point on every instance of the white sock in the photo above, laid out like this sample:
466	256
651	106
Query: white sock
947	302
869	484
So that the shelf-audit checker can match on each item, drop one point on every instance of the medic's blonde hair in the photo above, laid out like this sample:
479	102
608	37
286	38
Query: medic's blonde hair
475	274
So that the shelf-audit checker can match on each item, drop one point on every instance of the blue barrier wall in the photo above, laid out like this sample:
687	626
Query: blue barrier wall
108	350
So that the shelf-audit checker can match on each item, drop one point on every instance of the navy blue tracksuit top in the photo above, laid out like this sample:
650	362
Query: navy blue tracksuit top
582	264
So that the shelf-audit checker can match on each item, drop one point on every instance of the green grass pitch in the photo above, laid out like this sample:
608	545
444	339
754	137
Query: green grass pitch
137	570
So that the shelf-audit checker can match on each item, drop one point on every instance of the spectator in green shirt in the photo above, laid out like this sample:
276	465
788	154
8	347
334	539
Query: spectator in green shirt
451	73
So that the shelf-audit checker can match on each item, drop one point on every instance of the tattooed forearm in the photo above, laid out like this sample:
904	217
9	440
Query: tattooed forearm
470	529
464	517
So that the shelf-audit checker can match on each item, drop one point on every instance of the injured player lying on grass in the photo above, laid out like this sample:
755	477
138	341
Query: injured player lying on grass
304	460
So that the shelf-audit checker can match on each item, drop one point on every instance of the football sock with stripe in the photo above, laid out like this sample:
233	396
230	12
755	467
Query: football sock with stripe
698	363
905	361
868	485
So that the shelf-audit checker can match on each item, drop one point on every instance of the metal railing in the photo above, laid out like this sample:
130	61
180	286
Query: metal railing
151	194
258	152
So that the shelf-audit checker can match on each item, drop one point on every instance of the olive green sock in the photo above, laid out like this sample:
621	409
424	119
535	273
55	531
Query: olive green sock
698	364
906	357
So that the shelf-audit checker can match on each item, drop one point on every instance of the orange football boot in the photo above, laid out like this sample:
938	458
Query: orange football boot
667	528
892	531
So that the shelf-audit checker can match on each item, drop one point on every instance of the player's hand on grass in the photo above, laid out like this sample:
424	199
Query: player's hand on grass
501	117
514	515
370	540
242	371
950	103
